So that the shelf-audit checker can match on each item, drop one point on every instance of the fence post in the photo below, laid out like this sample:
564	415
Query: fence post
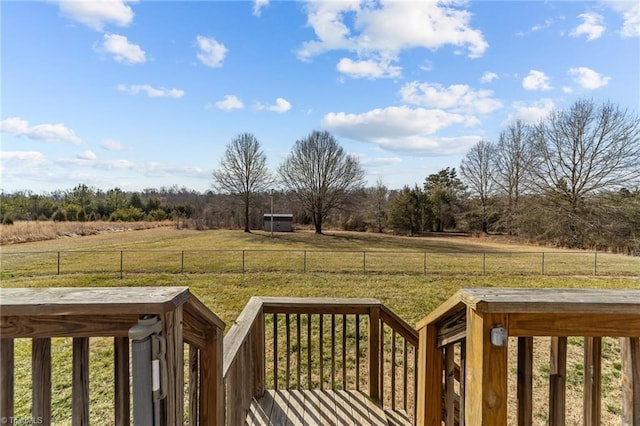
424	264
542	263
364	262
484	263
595	263
182	263
243	270
121	263
58	262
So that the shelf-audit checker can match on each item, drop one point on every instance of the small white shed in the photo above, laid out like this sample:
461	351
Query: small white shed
282	222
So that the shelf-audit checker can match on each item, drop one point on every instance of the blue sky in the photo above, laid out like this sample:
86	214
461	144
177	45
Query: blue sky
147	94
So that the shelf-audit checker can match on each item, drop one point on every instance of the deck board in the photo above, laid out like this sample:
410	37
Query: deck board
315	408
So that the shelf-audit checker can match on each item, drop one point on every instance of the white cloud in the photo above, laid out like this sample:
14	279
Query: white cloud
381	30
536	80
368	69
403	129
258	5
547	23
87	156
488	77
122	50
97	13
458	97
630	11
46	132
161	170
212	53
111	145
23	158
151	92
588	79
531	113
229	103
592	26
117	165
281	105
377	161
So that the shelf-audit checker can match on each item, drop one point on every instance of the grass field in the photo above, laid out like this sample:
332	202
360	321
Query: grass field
410	295
167	250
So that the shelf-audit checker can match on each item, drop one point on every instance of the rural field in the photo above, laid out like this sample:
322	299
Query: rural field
411	295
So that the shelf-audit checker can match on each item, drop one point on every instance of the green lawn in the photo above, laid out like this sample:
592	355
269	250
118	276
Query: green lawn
411	295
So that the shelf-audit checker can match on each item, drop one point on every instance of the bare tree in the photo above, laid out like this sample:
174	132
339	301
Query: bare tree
584	150
243	171
512	163
321	175
477	169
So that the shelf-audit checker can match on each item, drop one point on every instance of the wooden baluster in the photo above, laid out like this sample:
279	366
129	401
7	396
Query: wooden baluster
121	376
299	354
463	370
194	385
630	348
344	352
80	389
275	351
592	380
357	352
393	369
7	363
41	377
309	386
381	358
525	381
449	390
333	351
321	350
557	381
287	331
405	373
374	352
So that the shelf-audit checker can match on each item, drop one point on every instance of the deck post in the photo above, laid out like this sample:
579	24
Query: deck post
429	410
211	385
486	375
173	403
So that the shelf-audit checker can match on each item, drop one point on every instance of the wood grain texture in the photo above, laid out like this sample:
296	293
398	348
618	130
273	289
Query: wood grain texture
7	364
486	375
91	301
630	348
80	393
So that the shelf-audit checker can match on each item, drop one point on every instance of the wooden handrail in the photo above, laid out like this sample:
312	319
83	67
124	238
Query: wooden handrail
464	325
84	313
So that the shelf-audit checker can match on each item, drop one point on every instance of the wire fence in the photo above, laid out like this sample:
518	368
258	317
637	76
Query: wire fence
122	262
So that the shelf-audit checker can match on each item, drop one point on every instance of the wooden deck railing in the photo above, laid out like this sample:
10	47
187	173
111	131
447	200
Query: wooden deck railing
305	343
463	375
85	313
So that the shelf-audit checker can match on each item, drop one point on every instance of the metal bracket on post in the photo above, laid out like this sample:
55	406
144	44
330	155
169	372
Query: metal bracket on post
150	374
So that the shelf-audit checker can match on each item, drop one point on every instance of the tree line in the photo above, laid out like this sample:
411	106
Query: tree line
570	180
